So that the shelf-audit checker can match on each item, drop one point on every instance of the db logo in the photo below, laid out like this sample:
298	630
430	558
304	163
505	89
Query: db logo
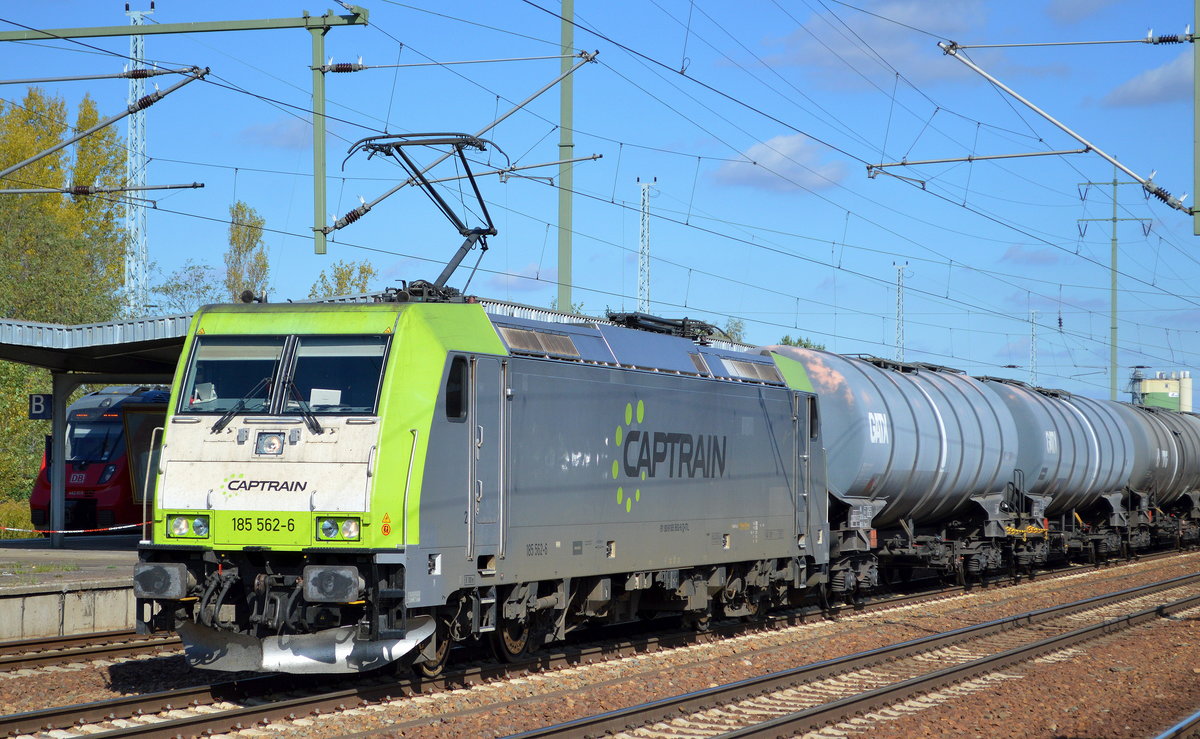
77	477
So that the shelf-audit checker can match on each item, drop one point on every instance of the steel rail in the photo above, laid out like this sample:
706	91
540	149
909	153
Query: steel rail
815	718
80	648
665	709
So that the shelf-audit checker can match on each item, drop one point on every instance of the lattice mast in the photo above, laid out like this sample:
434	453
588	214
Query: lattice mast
136	258
900	268
1033	317
644	251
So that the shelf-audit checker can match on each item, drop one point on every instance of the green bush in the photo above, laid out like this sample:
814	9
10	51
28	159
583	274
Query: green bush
15	514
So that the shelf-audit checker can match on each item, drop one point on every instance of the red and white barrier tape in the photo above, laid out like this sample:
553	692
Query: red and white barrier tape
76	531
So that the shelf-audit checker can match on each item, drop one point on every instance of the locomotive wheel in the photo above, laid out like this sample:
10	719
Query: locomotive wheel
432	668
510	640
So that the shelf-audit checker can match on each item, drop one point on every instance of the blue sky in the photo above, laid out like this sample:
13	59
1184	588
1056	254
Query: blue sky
762	207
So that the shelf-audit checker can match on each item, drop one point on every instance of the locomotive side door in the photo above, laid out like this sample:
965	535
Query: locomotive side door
486	418
803	417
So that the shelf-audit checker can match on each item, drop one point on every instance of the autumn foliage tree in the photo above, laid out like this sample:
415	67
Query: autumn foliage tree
246	263
343	278
63	255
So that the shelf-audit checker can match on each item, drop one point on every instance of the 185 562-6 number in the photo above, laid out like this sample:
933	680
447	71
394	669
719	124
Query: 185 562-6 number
263	523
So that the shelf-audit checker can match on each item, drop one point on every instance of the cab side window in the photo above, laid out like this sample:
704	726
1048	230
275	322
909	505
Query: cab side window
456	390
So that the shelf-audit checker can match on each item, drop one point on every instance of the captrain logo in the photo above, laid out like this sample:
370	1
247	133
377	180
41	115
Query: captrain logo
643	454
236	482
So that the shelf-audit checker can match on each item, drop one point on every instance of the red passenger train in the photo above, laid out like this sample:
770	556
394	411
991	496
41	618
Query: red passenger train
104	484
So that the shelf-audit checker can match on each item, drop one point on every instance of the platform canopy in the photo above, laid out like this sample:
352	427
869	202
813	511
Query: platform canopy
139	346
133	352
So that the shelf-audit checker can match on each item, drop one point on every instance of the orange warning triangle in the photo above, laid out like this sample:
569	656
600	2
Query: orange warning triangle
387	518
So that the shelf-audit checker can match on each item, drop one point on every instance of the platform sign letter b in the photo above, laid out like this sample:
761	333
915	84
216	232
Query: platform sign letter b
41	405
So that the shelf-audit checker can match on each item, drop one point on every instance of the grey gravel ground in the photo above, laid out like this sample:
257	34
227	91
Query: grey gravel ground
1130	685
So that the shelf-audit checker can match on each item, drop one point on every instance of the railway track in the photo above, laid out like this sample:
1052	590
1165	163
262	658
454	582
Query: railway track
34	653
241	704
849	692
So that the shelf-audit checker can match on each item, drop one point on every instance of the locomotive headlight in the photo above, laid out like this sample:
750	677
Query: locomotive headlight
179	526
328	528
269	442
350	528
200	526
332	583
107	474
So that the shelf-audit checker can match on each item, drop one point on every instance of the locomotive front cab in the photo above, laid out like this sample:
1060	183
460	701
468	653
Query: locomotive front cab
262	554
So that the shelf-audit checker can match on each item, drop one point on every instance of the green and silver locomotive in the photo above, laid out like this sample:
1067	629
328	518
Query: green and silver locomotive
345	485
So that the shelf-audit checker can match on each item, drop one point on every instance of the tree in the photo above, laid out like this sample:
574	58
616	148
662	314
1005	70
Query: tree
802	341
190	287
63	255
246	266
343	278
576	308
55	245
735	329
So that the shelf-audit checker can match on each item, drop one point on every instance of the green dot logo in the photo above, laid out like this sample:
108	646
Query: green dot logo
633	414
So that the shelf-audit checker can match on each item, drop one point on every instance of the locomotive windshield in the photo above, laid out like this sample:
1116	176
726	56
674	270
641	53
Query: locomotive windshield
337	374
226	371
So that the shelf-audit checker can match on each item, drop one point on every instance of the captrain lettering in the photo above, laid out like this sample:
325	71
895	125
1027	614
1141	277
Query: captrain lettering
682	455
271	486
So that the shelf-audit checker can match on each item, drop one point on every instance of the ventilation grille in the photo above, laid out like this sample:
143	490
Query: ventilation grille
538	342
753	371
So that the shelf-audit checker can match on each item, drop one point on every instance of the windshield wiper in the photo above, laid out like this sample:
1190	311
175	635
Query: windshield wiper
310	419
224	420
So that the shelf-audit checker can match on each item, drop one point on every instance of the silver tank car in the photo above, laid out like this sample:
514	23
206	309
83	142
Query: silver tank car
911	441
1071	450
1166	452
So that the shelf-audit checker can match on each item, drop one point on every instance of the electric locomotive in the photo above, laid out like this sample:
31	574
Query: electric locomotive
104	483
344	485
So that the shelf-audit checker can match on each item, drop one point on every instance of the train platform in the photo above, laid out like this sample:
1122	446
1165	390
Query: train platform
84	586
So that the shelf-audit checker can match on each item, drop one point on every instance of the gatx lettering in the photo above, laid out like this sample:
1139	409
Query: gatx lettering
682	455
271	486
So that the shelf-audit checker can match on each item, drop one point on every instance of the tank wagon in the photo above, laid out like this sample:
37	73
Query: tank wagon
102	478
931	468
342	486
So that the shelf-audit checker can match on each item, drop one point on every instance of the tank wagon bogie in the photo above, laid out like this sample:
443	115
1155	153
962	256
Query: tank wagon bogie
343	486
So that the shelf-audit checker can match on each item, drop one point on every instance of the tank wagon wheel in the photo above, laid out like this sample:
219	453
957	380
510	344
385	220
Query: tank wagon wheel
510	640
823	599
756	604
434	666
699	621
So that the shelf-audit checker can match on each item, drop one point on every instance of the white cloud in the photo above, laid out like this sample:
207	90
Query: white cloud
1073	11
283	133
1172	81
844	58
1033	257
783	164
526	279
